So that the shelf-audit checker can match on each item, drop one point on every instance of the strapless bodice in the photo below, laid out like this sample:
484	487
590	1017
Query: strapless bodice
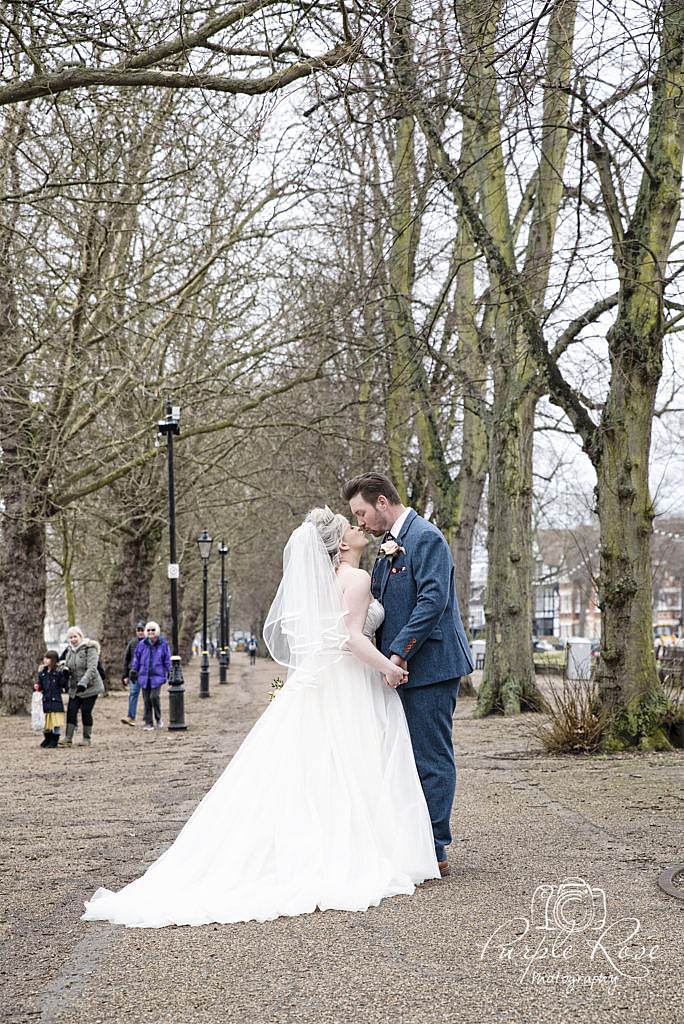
374	618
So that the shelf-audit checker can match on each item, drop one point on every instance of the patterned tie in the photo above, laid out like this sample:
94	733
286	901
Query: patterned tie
378	557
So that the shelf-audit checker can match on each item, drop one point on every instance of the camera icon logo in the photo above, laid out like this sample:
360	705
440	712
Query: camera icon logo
570	906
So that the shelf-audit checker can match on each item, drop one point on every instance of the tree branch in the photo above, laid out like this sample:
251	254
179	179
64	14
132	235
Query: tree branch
576	326
559	389
142	69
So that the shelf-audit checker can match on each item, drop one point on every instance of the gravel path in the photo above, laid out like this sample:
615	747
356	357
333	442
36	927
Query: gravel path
76	819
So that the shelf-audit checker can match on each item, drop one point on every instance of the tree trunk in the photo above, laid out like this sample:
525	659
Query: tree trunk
627	670
192	612
508	685
23	584
474	461
400	270
453	517
580	590
474	363
462	544
23	570
626	674
67	563
3	648
127	600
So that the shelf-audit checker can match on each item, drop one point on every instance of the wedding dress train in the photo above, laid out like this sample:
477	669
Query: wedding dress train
321	807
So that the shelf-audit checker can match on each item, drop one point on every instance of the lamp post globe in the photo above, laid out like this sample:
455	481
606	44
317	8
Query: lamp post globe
204	542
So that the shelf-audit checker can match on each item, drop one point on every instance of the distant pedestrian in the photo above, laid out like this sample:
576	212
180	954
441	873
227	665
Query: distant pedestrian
85	683
252	648
53	681
133	687
150	667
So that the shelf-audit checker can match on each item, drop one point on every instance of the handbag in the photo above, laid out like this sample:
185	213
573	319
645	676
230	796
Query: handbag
37	713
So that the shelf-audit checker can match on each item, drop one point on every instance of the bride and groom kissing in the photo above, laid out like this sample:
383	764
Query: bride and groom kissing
341	794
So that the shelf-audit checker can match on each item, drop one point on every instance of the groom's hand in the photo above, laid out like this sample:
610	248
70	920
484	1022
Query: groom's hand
402	663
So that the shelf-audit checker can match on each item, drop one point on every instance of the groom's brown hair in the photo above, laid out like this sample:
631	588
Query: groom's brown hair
370	486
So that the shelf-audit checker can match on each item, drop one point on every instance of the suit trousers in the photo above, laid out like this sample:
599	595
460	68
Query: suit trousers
429	713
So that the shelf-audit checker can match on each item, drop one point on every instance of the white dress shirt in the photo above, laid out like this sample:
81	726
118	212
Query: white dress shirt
395	529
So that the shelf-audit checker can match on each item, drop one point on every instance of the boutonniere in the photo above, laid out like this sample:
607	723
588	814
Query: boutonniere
390	549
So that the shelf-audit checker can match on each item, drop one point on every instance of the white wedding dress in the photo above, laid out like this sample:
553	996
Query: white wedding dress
321	807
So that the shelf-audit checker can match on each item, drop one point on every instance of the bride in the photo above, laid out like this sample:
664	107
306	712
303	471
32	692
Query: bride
321	807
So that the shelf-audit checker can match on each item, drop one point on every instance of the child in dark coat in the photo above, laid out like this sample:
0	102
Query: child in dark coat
52	683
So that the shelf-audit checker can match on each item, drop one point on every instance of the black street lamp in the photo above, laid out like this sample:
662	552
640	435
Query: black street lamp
169	427
204	542
224	655
228	600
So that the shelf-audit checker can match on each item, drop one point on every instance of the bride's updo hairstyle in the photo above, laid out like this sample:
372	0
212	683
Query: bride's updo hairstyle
331	527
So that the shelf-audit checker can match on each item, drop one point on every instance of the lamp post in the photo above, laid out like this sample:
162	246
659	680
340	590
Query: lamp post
169	428
204	542
224	657
228	600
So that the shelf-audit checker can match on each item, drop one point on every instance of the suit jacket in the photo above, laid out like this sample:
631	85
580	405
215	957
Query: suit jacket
422	619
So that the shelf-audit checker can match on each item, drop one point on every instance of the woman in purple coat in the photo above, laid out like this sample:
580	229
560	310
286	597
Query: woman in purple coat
150	667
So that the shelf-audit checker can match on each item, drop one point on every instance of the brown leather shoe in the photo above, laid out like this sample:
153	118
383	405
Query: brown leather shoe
444	868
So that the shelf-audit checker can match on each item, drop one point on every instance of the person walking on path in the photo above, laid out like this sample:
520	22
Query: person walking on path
150	668
85	683
133	687
52	683
252	647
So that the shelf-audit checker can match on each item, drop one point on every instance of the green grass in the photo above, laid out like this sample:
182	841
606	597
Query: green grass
549	661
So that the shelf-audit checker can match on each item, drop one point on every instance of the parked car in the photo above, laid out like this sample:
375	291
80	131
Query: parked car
664	634
542	646
238	640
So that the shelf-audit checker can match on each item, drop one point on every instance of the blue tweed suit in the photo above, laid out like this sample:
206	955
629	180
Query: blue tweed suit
423	624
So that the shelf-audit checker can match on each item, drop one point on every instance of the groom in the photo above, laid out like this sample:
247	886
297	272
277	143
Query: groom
413	578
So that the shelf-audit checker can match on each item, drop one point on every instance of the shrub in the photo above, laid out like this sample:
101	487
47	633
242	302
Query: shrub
576	721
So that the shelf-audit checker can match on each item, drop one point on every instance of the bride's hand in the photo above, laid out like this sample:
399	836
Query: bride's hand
395	676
